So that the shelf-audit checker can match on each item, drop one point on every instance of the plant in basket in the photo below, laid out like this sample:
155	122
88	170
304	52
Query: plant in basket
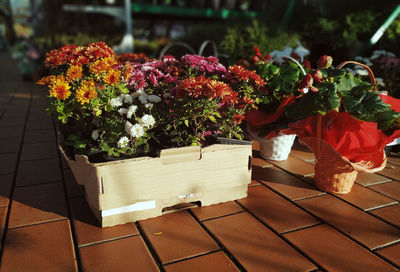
112	110
344	121
284	83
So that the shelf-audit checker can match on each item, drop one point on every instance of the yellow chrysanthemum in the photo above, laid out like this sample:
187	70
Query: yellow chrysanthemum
74	72
102	65
112	77
60	88
97	67
110	62
86	92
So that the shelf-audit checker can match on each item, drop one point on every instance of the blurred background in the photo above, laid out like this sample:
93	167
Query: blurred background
228	29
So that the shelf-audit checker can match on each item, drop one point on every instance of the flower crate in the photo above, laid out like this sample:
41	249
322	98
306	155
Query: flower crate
135	189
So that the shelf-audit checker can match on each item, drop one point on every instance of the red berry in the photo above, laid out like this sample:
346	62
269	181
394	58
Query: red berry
255	59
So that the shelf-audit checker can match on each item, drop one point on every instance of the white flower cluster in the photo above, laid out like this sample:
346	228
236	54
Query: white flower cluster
358	70
136	128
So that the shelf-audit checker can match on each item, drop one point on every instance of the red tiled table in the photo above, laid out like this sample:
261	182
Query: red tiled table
285	223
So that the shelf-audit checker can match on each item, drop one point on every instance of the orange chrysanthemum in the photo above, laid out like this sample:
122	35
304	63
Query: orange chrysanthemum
74	72
98	50
128	71
46	80
238	72
201	86
86	92
112	77
60	88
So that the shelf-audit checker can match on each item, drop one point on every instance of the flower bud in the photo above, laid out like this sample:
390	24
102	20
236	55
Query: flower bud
255	59
324	62
257	51
317	75
306	82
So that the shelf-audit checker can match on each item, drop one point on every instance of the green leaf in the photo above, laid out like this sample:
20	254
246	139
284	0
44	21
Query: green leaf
123	90
187	122
364	104
346	82
286	78
323	101
212	118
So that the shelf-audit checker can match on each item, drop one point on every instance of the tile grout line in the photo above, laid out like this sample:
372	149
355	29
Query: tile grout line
14	181
373	184
384	193
39	223
108	240
38	184
387	260
280	235
221	216
337	197
70	218
219	243
368	211
150	247
332	226
193	257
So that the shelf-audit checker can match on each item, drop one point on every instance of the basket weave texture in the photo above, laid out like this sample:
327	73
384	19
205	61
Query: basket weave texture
333	172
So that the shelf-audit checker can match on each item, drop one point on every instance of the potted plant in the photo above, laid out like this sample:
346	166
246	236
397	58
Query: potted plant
386	66
283	76
344	121
119	122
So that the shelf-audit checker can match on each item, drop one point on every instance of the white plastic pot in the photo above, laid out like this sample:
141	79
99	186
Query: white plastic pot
277	148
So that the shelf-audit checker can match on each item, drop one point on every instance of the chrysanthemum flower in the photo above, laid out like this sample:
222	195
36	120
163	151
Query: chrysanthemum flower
148	120
117	102
123	142
112	77
46	80
98	67
238	72
201	86
137	131
86	92
60	88
238	118
131	110
98	50
74	72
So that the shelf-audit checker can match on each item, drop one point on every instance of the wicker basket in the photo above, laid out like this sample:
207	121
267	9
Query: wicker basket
333	172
